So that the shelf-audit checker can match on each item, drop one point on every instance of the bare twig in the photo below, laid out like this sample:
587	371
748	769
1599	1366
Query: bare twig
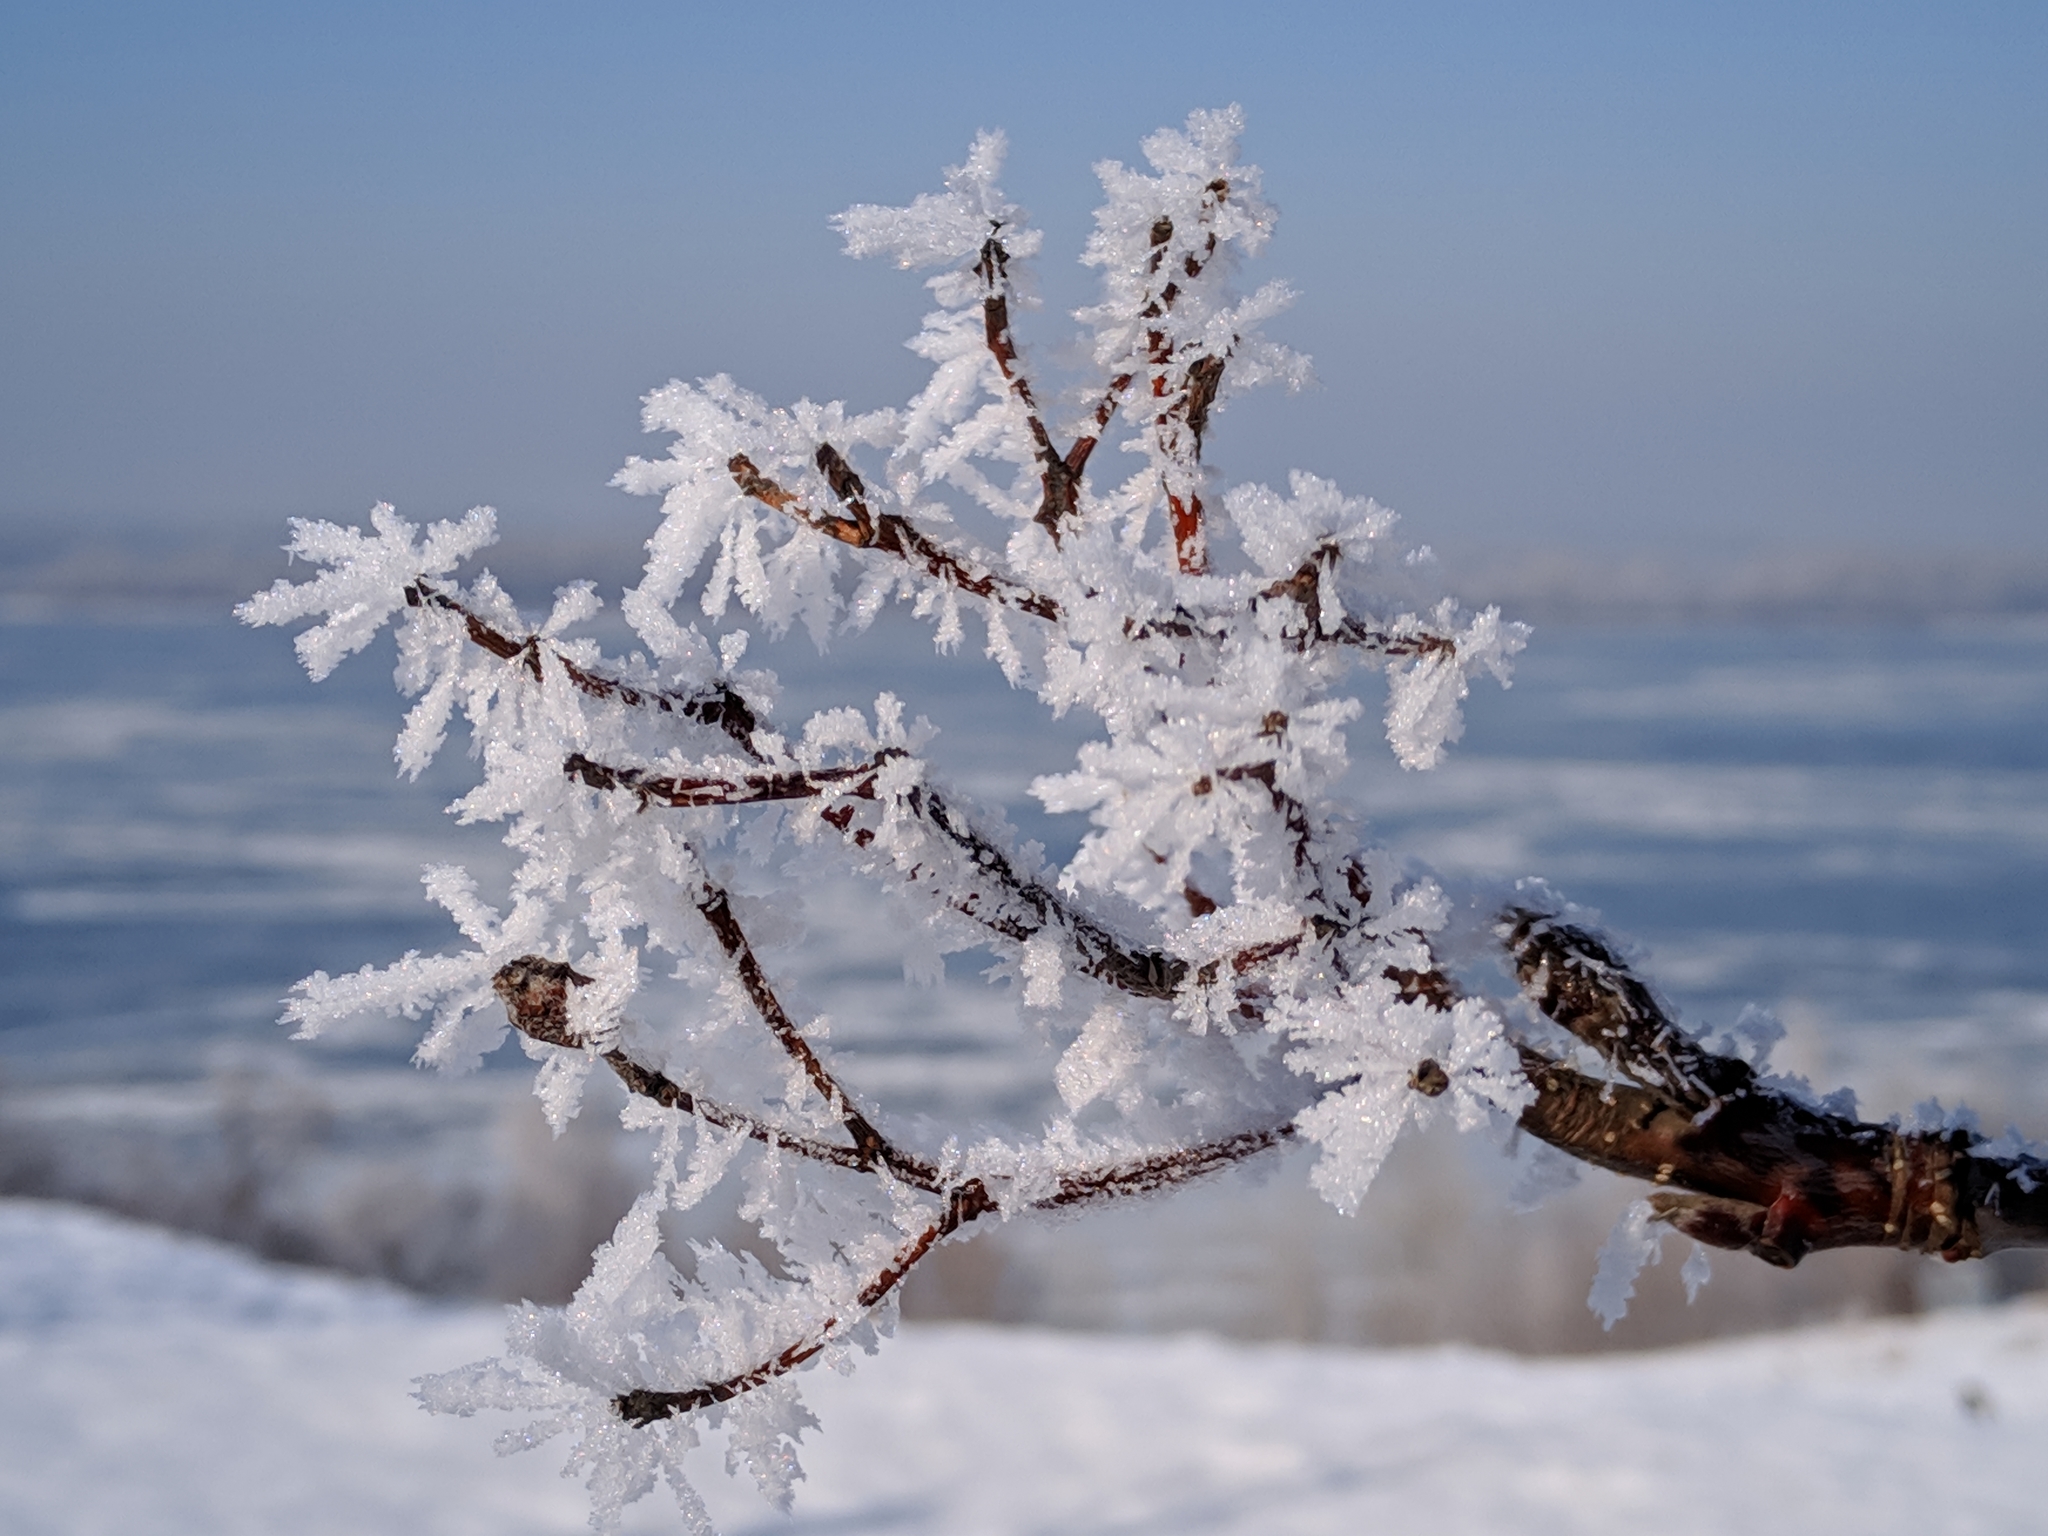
1384	642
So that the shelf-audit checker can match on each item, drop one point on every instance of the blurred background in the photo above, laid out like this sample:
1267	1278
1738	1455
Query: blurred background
1711	341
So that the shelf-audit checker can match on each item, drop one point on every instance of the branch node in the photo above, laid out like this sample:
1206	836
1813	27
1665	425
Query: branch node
535	992
1429	1078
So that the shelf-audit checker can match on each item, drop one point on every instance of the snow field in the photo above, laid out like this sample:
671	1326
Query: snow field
157	1385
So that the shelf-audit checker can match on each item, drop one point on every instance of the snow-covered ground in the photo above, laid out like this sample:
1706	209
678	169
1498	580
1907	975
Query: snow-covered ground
152	1383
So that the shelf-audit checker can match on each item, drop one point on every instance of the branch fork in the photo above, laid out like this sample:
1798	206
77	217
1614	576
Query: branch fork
535	992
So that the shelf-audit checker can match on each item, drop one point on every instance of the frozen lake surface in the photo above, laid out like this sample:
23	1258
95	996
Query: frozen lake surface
1846	825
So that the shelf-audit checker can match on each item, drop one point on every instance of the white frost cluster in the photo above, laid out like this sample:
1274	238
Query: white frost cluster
1221	955
1637	1242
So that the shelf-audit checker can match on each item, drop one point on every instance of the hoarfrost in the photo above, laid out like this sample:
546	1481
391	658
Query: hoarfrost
1100	1059
365	581
1637	1240
1696	1272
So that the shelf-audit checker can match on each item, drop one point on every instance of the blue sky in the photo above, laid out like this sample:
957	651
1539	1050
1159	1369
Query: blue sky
1712	278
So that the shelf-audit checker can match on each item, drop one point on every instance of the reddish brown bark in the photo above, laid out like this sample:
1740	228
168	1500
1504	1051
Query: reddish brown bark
1737	1163
1059	473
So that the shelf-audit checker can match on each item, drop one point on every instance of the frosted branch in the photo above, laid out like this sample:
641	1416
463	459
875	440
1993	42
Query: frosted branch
1761	1170
534	991
721	705
967	1203
890	534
